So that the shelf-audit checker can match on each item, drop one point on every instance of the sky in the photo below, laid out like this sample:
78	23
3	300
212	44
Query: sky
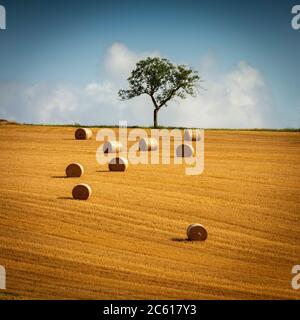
64	61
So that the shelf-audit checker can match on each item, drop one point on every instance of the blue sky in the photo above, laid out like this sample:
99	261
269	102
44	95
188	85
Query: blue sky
63	61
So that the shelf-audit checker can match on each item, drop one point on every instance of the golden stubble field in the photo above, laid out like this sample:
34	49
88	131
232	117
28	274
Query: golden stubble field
128	241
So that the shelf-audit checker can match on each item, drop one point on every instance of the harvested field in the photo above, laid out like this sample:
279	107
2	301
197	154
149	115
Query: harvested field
128	241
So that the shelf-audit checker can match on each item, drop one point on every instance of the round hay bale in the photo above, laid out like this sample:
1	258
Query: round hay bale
192	135
118	164
112	147
74	170
81	192
83	134
148	144
185	151
196	232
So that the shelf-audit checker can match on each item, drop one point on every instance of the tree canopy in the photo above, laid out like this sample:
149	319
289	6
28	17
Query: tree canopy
162	81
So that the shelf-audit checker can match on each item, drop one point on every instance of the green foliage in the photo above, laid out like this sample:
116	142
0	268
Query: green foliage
161	80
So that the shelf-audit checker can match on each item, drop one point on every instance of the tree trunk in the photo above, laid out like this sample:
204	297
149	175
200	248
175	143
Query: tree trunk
155	118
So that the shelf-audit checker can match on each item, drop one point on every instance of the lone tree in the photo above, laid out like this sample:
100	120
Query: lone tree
162	81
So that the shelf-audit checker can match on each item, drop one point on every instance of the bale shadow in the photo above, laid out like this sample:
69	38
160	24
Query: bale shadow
59	177
180	240
65	198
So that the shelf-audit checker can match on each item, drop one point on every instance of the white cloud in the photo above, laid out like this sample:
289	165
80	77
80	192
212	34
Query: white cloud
208	66
41	103
119	60
238	98
101	93
50	103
